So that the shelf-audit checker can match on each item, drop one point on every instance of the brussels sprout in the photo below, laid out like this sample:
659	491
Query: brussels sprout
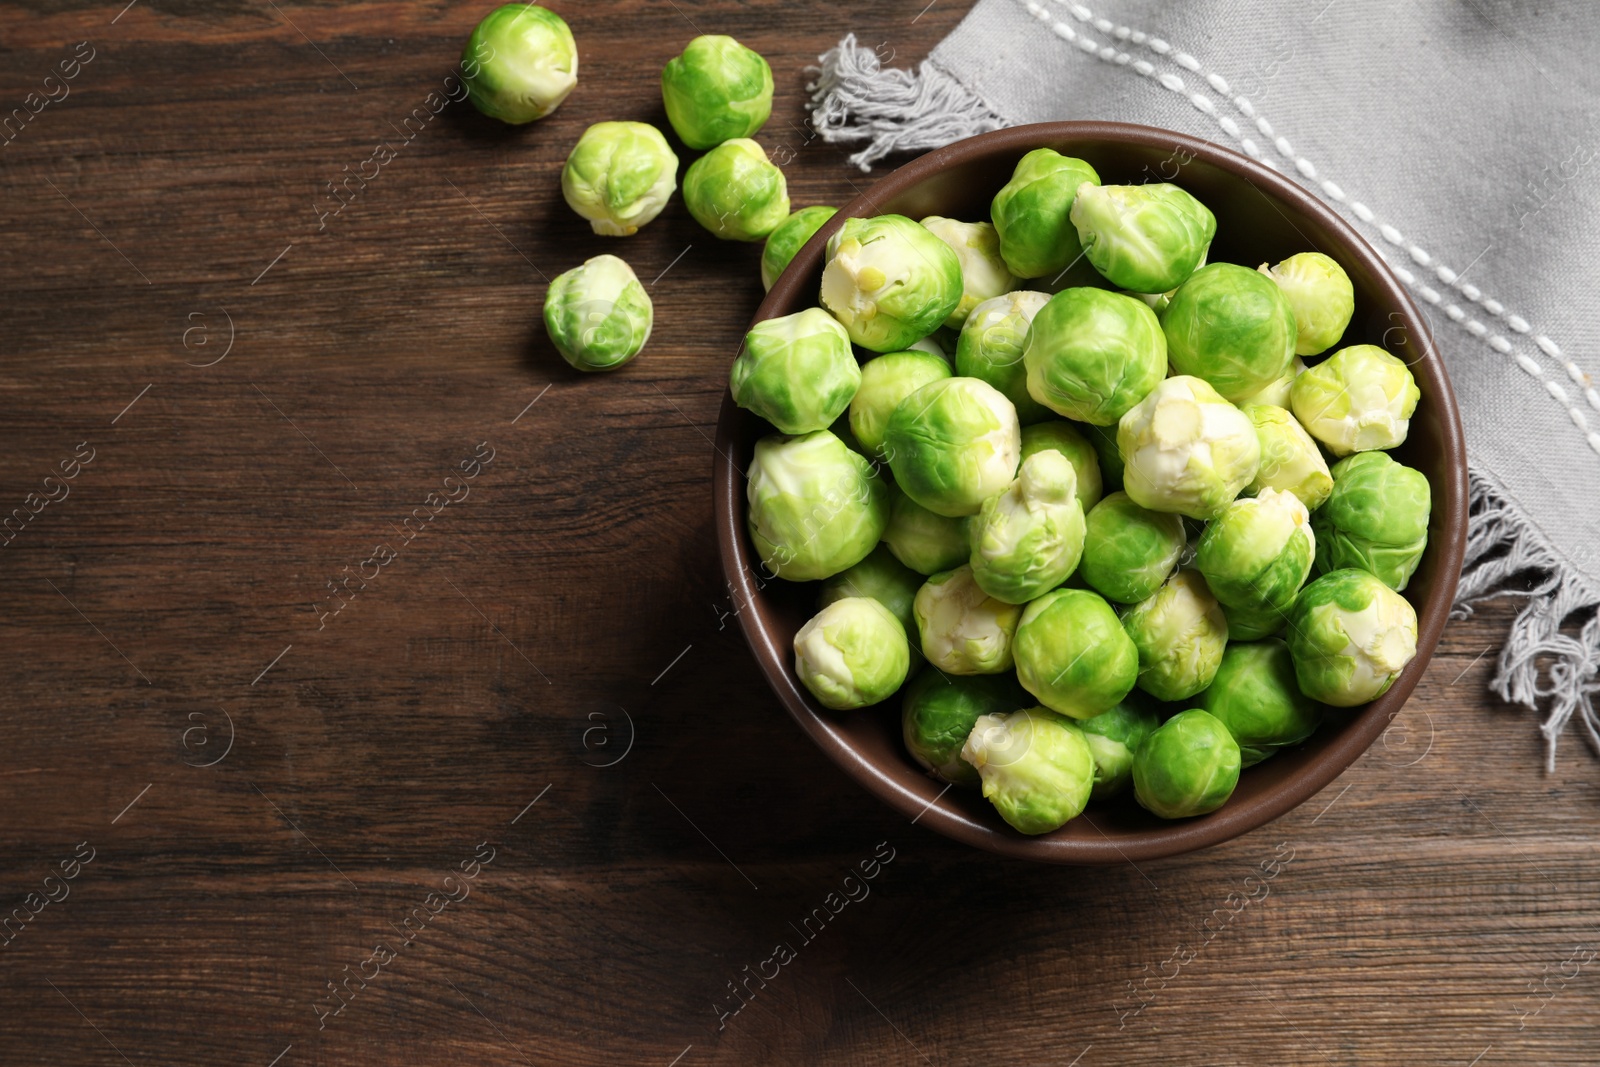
1256	697
1147	238
1276	392
1104	441
1114	736
619	176
1032	214
1321	295
716	90
939	711
1357	400
1027	539
520	63
1255	622
1231	326
1073	654
1256	556
816	507
852	654
1290	459
925	542
1036	767
1186	449
1350	636
885	381
1376	518
991	344
884	579
791	235
1129	551
952	444
1065	438
736	192
598	315
1179	632
1092	354
796	371
983	273
1188	766
963	629
890	281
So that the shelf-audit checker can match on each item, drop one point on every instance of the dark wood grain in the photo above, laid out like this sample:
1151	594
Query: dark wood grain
1416	903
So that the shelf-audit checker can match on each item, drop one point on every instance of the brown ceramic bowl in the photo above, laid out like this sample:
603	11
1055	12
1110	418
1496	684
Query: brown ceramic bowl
1261	217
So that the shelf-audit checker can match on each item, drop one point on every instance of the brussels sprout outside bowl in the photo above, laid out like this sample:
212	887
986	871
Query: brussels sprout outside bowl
1261	217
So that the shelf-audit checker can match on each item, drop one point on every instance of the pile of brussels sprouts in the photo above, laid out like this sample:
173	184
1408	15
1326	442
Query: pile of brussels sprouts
521	62
1089	530
1108	535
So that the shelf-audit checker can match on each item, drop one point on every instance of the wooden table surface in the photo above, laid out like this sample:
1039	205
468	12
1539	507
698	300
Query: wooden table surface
529	743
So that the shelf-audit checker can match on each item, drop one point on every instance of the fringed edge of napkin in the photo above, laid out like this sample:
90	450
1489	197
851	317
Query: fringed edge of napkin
1540	660
855	99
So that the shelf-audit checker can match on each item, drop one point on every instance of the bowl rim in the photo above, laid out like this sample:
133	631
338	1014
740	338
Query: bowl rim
1179	836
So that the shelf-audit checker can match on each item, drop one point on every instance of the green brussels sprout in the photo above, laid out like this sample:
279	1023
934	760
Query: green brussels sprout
1129	551
619	176
1276	392
1114	736
990	347
1092	354
716	90
735	192
1255	622
1256	555
885	381
1027	539
1256	697
1104	441
1059	436
519	63
816	507
1073	654
791	235
983	273
852	654
1179	632
1036	767
939	711
925	542
1231	326
1290	459
890	281
963	629
1032	214
1321	295
952	444
598	315
796	371
1187	766
1147	238
884	579
1375	519
1186	449
1357	400
1350	636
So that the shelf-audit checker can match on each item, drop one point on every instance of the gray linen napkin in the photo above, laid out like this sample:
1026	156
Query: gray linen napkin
1459	136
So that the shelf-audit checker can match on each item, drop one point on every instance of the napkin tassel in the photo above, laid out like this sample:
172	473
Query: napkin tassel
1503	551
854	99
